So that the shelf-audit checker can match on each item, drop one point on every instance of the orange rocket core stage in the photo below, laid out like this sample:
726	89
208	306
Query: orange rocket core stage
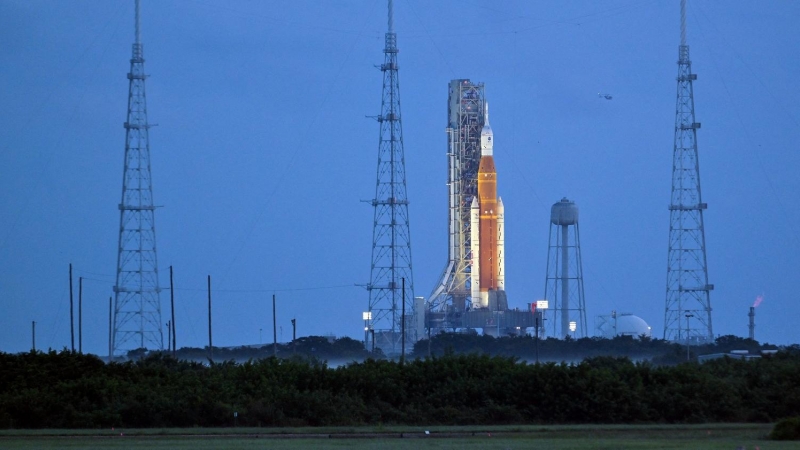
487	224
487	195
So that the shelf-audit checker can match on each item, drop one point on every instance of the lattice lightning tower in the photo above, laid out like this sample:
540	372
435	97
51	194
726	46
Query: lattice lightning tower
137	306
688	305
391	239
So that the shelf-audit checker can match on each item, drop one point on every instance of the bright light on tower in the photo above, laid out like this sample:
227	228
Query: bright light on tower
573	326
542	304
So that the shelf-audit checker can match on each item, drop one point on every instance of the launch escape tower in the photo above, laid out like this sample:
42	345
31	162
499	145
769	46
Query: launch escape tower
137	305
564	281
391	286
465	115
688	290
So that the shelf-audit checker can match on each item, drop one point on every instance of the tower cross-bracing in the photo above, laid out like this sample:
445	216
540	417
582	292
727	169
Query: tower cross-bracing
688	305
391	286
137	305
465	115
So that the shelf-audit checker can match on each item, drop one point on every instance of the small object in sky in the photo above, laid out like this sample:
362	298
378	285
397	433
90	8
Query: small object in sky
605	96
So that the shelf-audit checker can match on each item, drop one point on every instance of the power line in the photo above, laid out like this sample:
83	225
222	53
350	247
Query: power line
244	290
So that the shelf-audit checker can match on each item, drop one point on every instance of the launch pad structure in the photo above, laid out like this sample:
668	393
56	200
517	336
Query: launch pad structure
465	106
455	302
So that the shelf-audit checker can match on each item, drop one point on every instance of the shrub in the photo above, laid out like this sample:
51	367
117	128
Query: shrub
786	430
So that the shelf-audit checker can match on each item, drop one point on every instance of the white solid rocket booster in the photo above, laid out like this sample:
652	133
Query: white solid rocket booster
501	260
474	236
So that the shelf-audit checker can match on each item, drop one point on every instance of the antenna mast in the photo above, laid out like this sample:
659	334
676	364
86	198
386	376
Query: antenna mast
138	32
391	238
688	290
137	306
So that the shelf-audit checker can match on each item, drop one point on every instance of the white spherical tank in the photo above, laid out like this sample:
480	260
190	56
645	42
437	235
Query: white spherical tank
626	325
564	212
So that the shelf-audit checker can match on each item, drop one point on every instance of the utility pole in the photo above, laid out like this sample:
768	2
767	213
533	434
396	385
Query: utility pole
33	334
210	345
172	307
274	330
169	349
80	315
71	318
687	336
294	335
536	320
403	324
110	331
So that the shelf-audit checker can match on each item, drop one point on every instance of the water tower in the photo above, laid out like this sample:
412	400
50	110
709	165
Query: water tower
564	282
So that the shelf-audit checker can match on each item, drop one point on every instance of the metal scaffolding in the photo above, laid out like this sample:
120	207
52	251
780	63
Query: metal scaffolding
465	114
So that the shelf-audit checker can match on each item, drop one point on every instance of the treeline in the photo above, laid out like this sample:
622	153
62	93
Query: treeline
527	348
345	349
69	390
340	350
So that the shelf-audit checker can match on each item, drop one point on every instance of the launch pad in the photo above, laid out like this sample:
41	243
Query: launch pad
497	322
471	291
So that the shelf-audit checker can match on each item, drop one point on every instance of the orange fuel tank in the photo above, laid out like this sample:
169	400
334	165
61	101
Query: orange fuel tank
487	201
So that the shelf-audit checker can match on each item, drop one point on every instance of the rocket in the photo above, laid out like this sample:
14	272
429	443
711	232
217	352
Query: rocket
487	225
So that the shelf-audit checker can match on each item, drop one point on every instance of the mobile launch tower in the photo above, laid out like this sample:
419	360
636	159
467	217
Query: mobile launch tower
688	290
465	114
137	305
391	286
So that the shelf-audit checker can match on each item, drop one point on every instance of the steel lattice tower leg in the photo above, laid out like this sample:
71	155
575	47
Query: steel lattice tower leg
137	306
688	290
564	280
391	238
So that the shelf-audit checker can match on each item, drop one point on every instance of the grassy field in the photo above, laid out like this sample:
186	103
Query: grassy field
616	437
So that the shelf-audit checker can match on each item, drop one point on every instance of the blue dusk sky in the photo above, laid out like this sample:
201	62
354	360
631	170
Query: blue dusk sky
263	154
